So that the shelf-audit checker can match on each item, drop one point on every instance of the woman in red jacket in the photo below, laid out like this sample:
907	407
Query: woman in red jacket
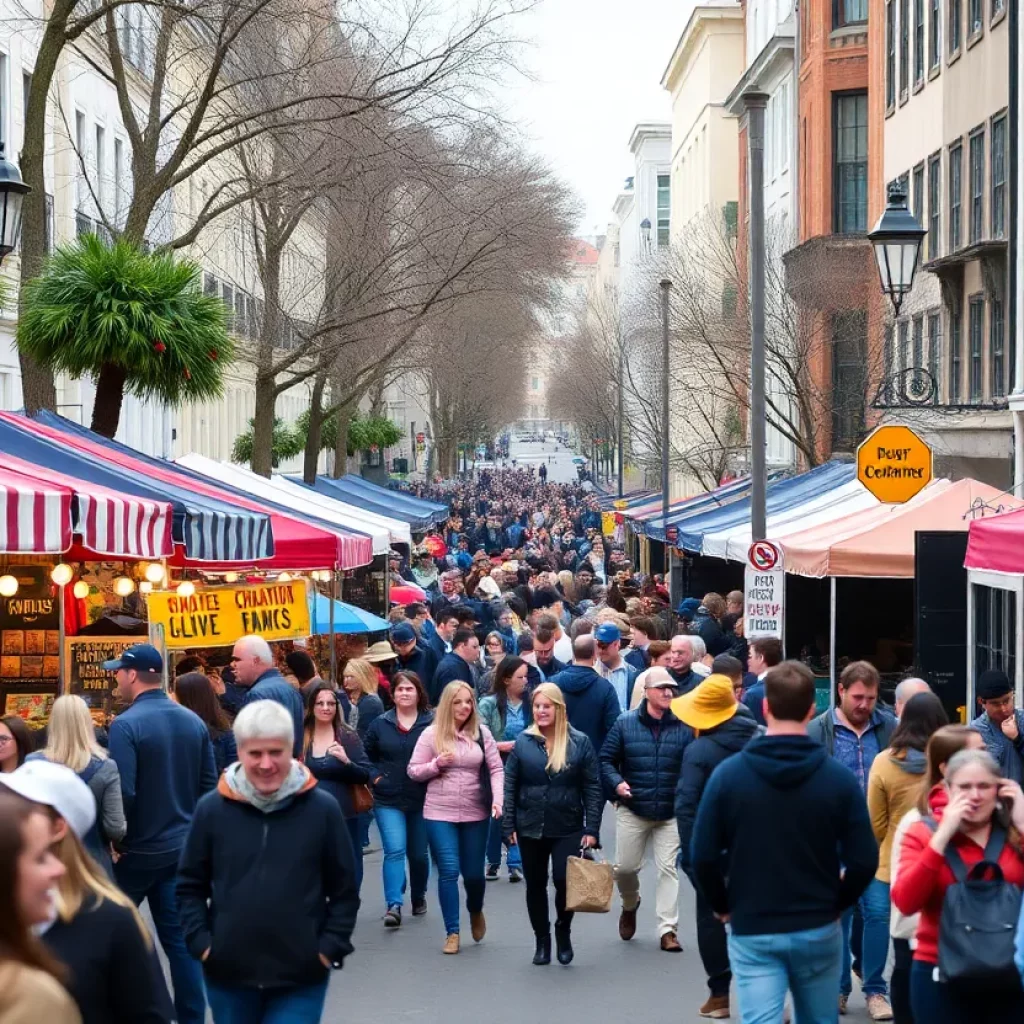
966	806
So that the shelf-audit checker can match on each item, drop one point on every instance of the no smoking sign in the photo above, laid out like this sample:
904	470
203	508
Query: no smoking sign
763	556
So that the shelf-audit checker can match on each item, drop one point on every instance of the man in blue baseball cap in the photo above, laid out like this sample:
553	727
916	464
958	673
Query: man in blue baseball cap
687	609
411	656
165	758
612	665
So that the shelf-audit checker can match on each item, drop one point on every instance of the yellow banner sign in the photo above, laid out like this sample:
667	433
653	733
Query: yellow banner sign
218	616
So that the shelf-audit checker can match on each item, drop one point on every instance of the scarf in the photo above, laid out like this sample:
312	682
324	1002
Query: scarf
239	783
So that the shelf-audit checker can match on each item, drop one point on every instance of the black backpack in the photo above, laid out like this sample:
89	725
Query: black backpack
979	922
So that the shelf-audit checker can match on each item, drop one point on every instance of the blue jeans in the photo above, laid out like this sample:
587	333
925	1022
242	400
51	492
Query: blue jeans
874	908
805	963
140	880
494	848
404	835
232	1005
458	848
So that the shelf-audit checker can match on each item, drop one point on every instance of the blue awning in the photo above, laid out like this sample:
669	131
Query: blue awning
347	618
207	529
653	526
401	499
781	496
344	491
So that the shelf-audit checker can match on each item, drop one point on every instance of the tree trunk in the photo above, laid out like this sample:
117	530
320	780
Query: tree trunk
311	456
343	416
106	409
263	425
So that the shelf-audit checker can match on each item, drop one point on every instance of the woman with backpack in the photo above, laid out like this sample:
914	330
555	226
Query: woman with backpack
975	980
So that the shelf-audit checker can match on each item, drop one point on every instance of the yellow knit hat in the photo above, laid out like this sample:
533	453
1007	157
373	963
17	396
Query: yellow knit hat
708	705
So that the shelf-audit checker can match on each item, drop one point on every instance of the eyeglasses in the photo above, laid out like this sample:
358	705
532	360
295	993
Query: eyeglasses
4	740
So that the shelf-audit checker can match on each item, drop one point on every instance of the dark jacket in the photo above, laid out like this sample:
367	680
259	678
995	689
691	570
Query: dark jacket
451	667
702	756
776	827
590	702
540	805
273	686
823	729
112	974
336	777
686	681
552	669
422	662
368	708
437	648
165	758
389	750
225	750
267	893
708	628
753	699
637	658
1008	753
647	753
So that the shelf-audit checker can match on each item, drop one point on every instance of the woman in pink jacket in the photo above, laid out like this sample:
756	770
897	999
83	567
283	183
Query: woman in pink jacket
459	761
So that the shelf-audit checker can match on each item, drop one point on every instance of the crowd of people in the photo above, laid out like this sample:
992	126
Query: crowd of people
540	680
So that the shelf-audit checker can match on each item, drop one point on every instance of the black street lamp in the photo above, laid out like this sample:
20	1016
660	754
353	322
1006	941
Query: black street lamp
897	240
12	193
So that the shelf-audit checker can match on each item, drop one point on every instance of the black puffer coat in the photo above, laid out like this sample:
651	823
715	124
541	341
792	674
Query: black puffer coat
647	753
389	751
538	804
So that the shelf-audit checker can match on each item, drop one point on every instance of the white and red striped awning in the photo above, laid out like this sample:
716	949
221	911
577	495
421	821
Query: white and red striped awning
44	512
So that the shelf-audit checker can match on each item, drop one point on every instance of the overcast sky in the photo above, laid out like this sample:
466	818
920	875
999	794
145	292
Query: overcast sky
597	66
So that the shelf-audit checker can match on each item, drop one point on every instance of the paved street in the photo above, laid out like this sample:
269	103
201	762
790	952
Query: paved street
561	468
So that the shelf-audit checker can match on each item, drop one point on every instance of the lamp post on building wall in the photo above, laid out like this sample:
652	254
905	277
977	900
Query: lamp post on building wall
12	194
897	239
666	290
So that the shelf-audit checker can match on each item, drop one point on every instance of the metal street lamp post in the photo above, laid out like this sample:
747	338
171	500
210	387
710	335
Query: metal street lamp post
897	239
12	194
666	289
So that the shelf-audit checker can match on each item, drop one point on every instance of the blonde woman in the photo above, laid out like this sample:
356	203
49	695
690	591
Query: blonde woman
458	759
359	680
553	807
71	741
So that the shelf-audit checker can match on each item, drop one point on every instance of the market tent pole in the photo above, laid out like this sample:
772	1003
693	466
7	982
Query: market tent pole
832	642
334	652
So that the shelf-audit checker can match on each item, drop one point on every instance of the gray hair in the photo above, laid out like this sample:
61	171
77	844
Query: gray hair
698	647
963	758
264	720
909	687
253	646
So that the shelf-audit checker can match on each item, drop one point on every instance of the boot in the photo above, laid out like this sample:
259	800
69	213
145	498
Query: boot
478	925
563	944
543	955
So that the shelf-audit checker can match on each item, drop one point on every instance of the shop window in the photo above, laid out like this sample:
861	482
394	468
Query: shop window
995	630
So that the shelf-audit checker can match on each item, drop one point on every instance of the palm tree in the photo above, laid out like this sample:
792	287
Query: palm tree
135	322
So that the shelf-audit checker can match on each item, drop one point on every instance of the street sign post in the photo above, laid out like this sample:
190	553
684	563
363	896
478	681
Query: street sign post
764	592
894	464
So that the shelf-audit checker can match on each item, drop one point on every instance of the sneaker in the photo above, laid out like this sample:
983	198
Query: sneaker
491	874
393	917
515	875
451	944
419	908
717	1008
878	1007
843	1001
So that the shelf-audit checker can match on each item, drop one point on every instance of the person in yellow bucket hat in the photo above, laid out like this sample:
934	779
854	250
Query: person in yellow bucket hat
722	727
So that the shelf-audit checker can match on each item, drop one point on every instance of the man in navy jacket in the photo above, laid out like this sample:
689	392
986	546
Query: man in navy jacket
254	667
165	759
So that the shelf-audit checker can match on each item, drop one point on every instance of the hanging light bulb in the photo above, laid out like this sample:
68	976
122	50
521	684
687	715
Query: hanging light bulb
62	574
231	577
285	577
8	586
123	586
155	572
186	588
145	587
81	589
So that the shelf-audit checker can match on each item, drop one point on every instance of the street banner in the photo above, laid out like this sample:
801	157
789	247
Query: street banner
764	592
218	616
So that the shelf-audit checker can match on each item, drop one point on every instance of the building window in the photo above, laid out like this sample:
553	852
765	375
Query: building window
996	349
664	209
956	356
888	356
935	34
995	630
977	183
850	161
849	379
934	205
956	14
918	41
934	344
917	351
848	12
535	383
998	213
917	197
956	152
904	47
974	18
890	53
975	326
998	6
904	344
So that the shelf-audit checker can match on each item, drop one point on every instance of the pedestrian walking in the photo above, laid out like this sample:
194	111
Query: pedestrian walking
855	732
894	786
359	681
398	799
722	729
553	808
640	764
1000	723
194	691
965	826
30	977
458	759
681	660
253	664
781	845
946	742
456	666
165	758
610	663
763	653
71	741
336	758
16	743
506	713
412	656
590	700
96	931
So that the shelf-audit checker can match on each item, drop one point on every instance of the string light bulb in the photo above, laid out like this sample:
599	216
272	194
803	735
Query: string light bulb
186	588
8	586
145	587
285	577
81	590
231	577
123	586
62	574
155	572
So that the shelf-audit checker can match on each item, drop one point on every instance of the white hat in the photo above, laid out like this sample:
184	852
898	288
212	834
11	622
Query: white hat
56	786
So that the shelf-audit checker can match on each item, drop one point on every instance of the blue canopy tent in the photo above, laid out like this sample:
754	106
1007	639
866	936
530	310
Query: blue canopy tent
347	618
609	501
400	499
354	496
207	529
652	526
781	496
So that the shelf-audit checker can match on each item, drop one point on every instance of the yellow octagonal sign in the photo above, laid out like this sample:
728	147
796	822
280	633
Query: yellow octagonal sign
894	464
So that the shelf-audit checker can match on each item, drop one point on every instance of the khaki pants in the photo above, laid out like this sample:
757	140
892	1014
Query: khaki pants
632	834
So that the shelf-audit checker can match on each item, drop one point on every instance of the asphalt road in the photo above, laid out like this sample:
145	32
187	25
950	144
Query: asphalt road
558	459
